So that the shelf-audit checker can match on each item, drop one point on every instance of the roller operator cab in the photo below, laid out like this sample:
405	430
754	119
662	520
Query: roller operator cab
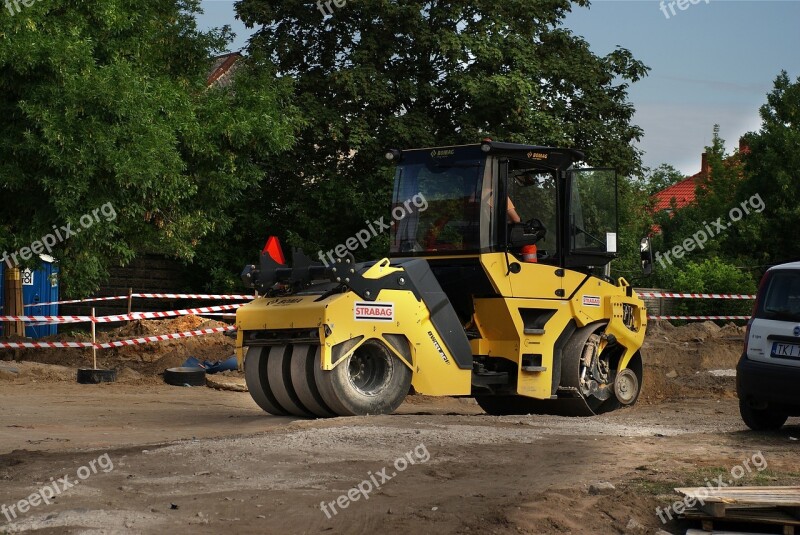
495	287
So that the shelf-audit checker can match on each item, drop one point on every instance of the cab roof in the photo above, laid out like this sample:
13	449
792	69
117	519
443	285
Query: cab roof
555	158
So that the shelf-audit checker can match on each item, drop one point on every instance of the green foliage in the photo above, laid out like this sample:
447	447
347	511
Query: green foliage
635	223
753	194
694	248
773	172
712	276
105	102
412	74
697	227
661	178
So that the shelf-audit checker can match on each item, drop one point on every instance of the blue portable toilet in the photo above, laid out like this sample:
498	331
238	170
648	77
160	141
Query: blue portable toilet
39	286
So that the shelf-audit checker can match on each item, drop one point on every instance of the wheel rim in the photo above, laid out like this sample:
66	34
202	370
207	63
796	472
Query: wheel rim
594	372
626	386
369	370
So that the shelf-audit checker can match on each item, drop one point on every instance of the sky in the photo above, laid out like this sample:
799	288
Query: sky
711	63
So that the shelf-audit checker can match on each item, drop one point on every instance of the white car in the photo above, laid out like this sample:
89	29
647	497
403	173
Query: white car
768	374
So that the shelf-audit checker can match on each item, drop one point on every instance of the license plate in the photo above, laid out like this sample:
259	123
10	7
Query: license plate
781	350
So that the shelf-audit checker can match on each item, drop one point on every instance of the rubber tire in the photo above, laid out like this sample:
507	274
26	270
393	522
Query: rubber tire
324	381
761	419
386	397
570	368
304	383
90	376
255	375
279	372
185	376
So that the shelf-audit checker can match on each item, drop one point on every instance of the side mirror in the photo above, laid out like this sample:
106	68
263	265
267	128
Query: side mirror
646	249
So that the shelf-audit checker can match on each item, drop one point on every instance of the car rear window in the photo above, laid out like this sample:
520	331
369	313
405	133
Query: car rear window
780	298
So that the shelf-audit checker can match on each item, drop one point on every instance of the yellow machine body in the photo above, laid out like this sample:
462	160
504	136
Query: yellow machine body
412	337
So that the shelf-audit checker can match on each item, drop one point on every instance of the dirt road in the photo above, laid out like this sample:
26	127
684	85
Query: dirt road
228	467
142	457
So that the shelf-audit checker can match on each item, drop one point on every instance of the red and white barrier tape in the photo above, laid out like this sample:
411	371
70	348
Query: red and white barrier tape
163	337
694	296
169	314
49	319
120	343
698	317
148	296
195	296
40	345
73	301
124	317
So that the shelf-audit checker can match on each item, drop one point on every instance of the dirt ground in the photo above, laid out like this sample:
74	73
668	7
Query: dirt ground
144	457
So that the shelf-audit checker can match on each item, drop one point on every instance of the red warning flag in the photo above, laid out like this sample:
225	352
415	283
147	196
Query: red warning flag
273	247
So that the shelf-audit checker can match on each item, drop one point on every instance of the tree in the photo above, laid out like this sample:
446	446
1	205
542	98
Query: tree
661	178
382	74
715	196
105	105
772	166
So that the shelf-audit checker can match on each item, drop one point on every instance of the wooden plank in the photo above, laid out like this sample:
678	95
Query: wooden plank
718	532
716	510
763	496
758	516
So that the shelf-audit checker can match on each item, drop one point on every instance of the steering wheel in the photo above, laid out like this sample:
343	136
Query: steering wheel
534	226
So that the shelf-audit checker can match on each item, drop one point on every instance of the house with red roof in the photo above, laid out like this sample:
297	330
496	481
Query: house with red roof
682	192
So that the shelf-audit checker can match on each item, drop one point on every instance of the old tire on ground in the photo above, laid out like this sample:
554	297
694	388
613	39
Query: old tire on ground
279	372
255	374
303	381
761	419
370	381
91	376
185	376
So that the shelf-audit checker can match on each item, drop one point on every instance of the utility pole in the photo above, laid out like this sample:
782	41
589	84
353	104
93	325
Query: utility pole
12	305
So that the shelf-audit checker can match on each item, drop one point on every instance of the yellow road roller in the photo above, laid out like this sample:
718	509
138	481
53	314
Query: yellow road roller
497	286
